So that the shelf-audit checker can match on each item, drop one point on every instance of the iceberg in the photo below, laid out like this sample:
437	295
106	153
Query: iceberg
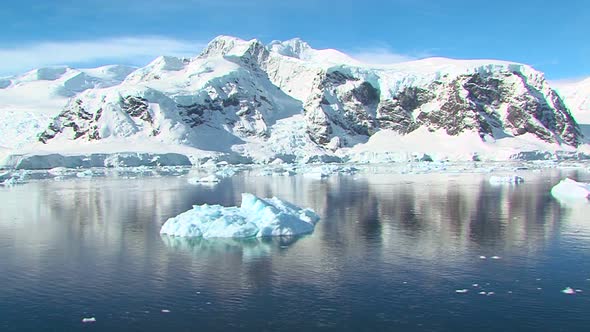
568	290
226	172
85	174
570	189
256	217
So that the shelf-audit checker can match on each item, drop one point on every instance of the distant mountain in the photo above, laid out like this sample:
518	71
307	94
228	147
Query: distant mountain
576	95
245	101
29	101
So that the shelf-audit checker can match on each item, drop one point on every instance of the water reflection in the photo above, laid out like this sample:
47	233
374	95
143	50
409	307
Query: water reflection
91	243
438	213
247	249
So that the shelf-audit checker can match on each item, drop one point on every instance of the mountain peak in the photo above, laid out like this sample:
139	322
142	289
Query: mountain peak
294	48
45	74
228	45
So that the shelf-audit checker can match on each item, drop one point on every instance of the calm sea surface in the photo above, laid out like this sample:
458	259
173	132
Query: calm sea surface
389	254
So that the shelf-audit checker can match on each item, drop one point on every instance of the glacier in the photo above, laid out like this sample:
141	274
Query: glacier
256	217
122	159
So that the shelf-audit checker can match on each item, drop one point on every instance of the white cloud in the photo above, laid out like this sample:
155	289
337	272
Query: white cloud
380	55
128	50
567	81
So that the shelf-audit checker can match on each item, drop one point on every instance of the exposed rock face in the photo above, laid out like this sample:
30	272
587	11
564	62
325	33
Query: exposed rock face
341	101
496	104
397	113
77	121
76	117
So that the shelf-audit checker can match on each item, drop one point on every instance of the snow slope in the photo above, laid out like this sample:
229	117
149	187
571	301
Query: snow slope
29	101
243	101
576	96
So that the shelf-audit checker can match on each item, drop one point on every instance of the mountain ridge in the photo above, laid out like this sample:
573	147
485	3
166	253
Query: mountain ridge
247	95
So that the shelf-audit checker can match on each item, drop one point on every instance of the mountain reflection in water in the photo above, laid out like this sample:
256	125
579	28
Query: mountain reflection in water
388	253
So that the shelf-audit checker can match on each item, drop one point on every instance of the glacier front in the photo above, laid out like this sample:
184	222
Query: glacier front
256	217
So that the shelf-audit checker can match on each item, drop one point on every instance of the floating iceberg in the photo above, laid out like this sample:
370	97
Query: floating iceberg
226	172
568	290
11	182
509	179
85	174
9	179
256	217
570	189
319	173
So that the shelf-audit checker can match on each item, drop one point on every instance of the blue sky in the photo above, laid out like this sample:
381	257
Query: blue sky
552	36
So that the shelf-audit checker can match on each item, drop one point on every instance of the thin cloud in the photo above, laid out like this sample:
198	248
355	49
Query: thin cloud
380	56
568	81
128	50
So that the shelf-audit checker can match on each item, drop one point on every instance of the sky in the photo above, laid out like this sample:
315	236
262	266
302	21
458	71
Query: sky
552	36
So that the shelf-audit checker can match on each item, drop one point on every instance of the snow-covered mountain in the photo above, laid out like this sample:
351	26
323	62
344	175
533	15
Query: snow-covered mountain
576	95
245	101
29	101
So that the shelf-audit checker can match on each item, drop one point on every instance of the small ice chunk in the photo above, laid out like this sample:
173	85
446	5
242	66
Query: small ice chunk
316	175
11	182
226	172
256	217
570	189
88	320
207	179
568	290
506	179
496	257
475	285
461	291
482	293
56	171
579	291
165	311
482	257
490	293
85	174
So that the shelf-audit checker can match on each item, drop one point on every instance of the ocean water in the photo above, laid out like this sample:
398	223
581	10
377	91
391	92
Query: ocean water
389	254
